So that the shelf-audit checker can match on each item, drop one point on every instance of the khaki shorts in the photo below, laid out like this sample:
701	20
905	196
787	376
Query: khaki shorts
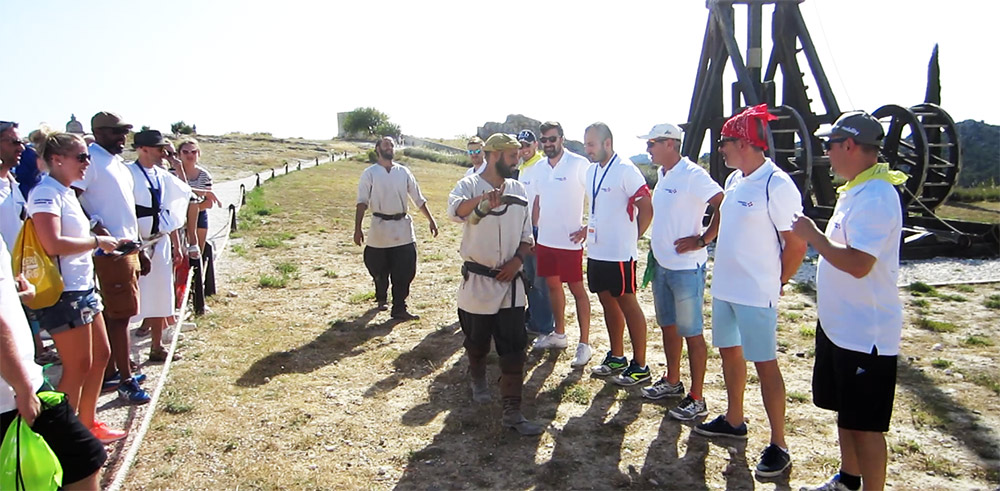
119	281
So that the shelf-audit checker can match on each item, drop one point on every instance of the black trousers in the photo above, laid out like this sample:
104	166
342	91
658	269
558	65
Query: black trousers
506	330
396	265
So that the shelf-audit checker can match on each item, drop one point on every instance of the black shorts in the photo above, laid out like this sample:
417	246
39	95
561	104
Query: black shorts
616	277
79	452
505	328
203	219
860	387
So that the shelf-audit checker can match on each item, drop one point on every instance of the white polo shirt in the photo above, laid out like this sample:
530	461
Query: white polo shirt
490	242
476	170
386	192
858	313
13	315
611	231
49	196
680	198
747	269
11	205
107	193
560	191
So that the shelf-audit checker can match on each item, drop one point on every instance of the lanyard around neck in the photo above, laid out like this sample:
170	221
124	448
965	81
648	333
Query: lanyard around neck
596	186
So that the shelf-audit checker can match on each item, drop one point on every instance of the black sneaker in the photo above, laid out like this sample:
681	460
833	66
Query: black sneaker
720	427
773	461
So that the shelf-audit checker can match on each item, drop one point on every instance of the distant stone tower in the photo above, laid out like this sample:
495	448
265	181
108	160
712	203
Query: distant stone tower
74	126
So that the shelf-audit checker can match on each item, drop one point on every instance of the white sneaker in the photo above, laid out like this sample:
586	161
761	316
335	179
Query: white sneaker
583	355
550	341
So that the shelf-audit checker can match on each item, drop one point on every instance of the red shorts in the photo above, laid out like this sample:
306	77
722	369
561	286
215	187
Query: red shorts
567	264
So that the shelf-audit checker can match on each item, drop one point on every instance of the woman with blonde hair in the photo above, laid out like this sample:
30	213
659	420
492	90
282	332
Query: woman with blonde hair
75	320
201	185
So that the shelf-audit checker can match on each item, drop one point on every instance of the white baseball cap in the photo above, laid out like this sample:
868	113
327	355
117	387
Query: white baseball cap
663	130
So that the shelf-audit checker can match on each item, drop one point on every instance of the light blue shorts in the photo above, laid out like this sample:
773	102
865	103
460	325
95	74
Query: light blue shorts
753	328
677	297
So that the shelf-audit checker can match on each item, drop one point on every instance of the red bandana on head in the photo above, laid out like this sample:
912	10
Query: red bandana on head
744	125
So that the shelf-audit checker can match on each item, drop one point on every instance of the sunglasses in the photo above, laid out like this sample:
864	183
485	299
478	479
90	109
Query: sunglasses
189	152
548	139
726	139
654	141
16	142
83	157
829	143
171	154
475	152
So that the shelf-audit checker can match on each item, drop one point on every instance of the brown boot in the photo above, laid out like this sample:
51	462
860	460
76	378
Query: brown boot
512	418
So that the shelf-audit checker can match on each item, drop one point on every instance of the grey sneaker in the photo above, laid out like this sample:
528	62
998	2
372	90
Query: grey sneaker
661	388
689	409
833	484
610	365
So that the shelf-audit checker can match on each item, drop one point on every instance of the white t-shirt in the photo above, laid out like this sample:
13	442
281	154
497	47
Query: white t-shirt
107	193
386	192
49	196
490	242
560	191
679	202
13	316
11	205
747	268
858	313
611	232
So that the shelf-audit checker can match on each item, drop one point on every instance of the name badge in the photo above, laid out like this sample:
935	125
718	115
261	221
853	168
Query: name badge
592	231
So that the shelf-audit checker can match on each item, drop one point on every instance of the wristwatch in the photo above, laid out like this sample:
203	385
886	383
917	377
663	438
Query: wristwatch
701	241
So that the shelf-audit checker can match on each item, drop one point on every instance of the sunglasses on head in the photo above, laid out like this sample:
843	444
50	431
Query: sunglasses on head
476	151
82	157
548	139
829	143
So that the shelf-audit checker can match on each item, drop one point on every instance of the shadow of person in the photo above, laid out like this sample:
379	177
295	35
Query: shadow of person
340	340
472	442
593	441
664	467
425	358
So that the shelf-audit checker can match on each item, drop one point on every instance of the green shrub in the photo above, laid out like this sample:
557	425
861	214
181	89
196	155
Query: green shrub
921	287
984	192
271	281
977	341
439	157
993	302
936	326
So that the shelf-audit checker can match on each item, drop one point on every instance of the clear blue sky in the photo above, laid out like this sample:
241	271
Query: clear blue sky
441	68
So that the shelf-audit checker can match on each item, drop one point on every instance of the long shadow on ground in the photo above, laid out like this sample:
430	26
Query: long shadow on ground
958	420
342	339
425	358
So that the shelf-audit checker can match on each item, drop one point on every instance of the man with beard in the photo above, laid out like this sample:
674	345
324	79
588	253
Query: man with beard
558	186
391	252
620	212
496	236
106	196
11	199
474	148
539	322
756	254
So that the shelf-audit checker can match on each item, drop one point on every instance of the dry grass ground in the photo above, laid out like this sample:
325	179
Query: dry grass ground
981	211
236	155
294	381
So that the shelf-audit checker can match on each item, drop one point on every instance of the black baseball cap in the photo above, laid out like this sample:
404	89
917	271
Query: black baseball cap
858	126
526	136
149	138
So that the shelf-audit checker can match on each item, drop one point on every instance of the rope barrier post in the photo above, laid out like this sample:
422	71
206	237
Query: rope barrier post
198	292
258	179
272	173
300	165
232	219
286	167
208	260
243	195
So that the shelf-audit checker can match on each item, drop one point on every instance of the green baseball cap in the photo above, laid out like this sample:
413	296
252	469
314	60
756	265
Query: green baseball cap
501	141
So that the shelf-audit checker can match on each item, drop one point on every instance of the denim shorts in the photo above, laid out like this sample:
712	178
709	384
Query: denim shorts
677	297
753	328
73	309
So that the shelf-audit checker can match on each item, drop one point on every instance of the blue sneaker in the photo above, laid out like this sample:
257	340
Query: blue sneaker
111	383
131	391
